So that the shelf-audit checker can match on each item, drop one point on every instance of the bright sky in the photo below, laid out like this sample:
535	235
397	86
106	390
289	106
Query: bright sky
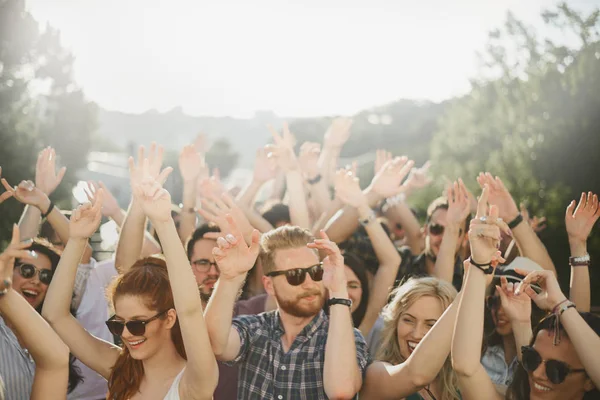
295	57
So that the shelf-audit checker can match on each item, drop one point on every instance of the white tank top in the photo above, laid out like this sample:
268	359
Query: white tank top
173	393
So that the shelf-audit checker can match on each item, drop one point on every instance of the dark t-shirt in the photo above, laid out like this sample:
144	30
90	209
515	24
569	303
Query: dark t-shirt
415	267
228	376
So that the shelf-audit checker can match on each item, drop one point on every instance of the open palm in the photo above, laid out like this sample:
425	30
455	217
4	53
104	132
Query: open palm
152	197
580	220
86	218
233	256
516	306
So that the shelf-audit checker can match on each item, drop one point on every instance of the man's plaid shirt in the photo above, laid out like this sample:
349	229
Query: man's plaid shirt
266	372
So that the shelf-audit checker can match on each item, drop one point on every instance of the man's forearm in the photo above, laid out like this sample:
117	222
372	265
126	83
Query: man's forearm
297	200
219	313
29	224
341	373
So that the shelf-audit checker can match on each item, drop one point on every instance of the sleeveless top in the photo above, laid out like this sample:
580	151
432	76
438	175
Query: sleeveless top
173	393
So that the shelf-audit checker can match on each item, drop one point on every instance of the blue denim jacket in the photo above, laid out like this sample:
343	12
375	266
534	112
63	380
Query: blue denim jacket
495	365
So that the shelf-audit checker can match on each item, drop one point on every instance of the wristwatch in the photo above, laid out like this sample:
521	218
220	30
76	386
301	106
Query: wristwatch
335	300
580	261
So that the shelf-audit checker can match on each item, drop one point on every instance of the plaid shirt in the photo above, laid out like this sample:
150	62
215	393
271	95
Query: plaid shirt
266	372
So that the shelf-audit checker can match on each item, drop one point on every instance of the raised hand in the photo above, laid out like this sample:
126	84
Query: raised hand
16	249
484	232
153	198
347	188
283	148
26	192
46	176
6	194
110	205
381	158
86	217
419	178
458	204
387	182
233	256
264	167
499	196
516	306
216	210
309	158
210	187
580	220
191	164
538	224
153	169
334	275
550	295
338	133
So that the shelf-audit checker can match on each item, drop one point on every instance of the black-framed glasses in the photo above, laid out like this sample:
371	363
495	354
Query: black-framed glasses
28	271
556	371
203	265
492	302
297	276
135	327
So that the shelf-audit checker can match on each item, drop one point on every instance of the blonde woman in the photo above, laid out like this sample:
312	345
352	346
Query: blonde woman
414	356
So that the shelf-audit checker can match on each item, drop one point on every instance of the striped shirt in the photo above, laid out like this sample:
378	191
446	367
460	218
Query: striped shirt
17	368
267	372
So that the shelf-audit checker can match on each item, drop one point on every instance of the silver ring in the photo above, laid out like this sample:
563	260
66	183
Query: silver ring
483	219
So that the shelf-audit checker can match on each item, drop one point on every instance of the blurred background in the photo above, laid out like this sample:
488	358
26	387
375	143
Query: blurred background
510	87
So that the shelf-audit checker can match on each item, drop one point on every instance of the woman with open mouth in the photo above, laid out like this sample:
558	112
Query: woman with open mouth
158	313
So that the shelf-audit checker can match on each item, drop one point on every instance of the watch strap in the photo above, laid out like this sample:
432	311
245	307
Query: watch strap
335	300
580	261
486	268
513	224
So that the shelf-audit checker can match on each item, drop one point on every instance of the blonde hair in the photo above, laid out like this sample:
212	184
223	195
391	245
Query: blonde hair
285	237
403	298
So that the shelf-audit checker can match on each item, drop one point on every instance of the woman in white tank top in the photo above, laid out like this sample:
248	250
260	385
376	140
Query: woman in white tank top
166	353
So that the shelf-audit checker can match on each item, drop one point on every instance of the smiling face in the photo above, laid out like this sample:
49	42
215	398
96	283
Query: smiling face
32	289
304	300
416	321
157	333
575	384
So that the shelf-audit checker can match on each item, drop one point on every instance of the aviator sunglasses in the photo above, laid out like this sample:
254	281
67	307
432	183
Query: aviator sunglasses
556	371
28	271
297	276
135	327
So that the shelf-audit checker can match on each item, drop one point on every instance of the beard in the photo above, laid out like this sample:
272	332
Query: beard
297	309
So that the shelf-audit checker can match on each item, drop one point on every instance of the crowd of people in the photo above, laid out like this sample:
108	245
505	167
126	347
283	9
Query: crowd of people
319	290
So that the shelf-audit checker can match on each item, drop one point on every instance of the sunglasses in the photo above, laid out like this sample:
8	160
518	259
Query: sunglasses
28	271
556	371
492	302
203	265
135	327
297	276
437	230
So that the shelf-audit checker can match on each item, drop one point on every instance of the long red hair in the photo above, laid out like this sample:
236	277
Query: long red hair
149	279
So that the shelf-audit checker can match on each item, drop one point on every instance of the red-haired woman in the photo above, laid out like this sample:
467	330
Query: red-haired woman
166	353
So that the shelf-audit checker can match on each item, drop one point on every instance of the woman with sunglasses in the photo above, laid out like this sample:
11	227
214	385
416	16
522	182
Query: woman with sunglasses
49	353
561	362
166	353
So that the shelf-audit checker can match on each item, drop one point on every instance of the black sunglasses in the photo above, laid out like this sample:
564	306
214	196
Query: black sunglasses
556	371
28	271
135	327
296	276
203	265
437	229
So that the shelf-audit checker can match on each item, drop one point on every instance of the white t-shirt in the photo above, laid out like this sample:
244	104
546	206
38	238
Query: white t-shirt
93	311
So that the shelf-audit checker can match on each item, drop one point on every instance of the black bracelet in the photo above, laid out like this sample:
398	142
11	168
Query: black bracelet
335	300
50	208
485	268
513	224
314	180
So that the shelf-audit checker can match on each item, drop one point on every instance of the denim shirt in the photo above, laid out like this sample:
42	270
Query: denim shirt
495	365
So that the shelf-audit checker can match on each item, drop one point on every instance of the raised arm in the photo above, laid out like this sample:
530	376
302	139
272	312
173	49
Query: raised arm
458	211
581	335
201	373
93	352
216	208
484	236
235	258
348	190
342	375
50	354
317	187
386	381
527	239
264	171
579	222
129	246
385	184
192	167
335	138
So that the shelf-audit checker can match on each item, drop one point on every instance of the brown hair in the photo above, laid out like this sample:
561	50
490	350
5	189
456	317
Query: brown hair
285	237
148	278
403	298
